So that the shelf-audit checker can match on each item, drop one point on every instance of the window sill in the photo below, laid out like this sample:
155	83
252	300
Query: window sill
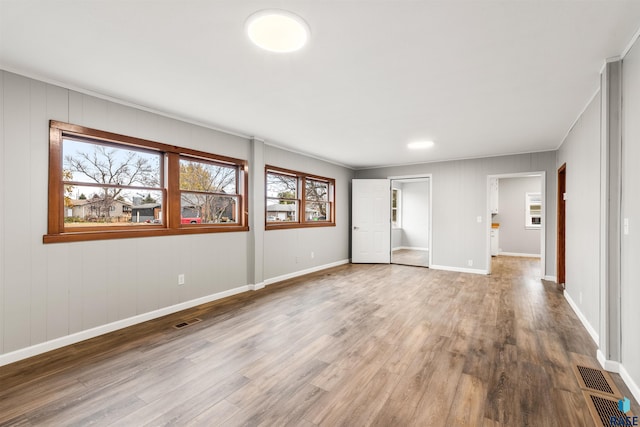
282	226
84	236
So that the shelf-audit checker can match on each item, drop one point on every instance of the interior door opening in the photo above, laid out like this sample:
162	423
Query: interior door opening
411	221
516	216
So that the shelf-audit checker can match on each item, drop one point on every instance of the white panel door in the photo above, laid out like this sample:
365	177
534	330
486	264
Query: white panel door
371	221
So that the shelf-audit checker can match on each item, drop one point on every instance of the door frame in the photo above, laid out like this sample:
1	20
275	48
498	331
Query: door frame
430	224
543	229
562	222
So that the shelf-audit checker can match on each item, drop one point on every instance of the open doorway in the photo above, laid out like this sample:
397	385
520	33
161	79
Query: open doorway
411	221
516	205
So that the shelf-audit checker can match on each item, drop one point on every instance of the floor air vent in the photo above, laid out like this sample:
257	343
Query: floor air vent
596	380
187	323
605	409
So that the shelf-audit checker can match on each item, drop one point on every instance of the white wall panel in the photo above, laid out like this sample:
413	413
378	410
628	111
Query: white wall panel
630	291
2	207
581	152
58	307
36	217
17	170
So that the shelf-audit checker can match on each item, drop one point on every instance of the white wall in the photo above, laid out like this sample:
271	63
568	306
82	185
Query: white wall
514	236
415	215
630	283
581	152
53	291
459	196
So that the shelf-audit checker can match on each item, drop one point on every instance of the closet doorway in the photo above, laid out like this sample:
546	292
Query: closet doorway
411	221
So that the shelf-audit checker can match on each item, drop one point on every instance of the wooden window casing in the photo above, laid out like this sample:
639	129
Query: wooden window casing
169	187
301	200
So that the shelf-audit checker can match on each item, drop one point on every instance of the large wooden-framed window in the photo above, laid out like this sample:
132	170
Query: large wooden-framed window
297	199
104	185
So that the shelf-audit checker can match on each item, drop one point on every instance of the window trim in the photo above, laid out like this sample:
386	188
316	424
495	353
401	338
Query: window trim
528	219
301	199
397	225
170	178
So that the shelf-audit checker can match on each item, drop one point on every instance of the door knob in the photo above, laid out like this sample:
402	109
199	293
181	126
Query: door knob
356	228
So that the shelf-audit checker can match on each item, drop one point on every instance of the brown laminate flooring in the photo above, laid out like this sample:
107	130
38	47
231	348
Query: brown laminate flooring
356	345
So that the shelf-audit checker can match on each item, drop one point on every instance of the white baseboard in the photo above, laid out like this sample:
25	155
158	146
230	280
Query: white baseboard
413	248
551	278
633	386
607	365
459	269
518	254
594	334
66	340
256	287
303	272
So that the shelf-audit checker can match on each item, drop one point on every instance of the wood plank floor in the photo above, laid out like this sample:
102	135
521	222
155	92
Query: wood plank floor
356	345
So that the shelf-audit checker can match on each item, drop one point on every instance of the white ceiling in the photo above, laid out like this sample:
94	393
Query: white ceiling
480	78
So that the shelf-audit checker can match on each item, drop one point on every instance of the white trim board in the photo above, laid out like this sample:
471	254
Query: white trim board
518	254
412	248
635	389
551	278
66	340
594	334
458	269
287	276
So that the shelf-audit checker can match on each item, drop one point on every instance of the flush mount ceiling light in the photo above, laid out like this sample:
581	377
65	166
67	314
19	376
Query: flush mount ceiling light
420	145
277	30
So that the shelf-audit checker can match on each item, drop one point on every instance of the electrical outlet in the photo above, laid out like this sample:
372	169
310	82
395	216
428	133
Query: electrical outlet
470	263
313	255
180	279
479	219
297	260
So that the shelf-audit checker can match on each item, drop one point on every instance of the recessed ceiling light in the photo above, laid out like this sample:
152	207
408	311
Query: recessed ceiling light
277	30
420	145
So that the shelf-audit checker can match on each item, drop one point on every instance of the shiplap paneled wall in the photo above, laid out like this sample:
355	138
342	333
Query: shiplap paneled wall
581	152
460	196
630	290
56	290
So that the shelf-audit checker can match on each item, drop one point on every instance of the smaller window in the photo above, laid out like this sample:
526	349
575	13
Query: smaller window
533	210
396	209
296	199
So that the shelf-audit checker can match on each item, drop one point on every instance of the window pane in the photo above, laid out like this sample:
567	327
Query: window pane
317	190
101	164
316	211
200	208
282	186
91	206
282	210
209	177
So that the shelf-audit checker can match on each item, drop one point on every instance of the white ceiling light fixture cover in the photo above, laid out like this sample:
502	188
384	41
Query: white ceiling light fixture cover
277	30
420	145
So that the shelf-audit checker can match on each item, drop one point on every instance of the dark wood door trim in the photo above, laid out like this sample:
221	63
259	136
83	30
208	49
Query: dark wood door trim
560	256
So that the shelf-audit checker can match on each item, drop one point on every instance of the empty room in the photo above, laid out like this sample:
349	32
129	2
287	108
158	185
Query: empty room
299	213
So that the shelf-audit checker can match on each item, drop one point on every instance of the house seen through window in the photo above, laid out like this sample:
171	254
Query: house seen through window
296	199
104	185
